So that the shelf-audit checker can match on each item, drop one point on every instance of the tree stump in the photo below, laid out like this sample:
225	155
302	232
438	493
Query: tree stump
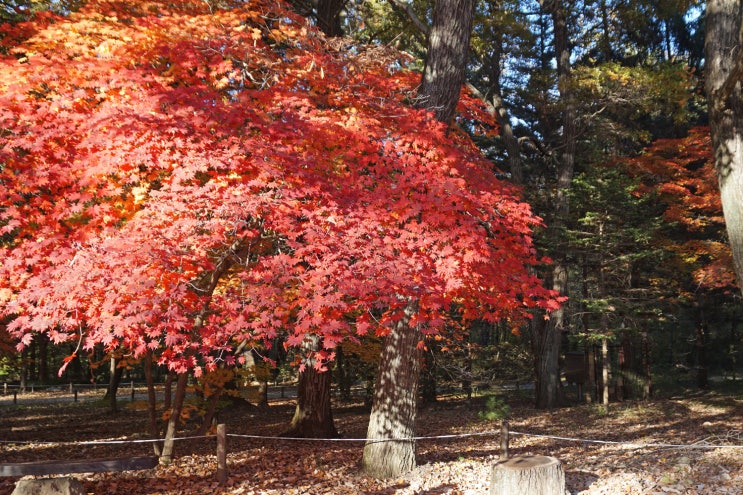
49	486
528	475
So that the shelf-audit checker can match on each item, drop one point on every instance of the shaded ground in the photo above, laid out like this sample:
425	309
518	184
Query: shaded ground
447	466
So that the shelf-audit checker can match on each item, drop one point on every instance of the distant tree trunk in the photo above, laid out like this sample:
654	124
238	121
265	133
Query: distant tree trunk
211	410
546	339
548	336
605	371
166	457
428	377
700	350
313	416
621	392
43	357
153	427
590	392
24	371
113	384
723	73
32	369
446	61
646	363
168	390
329	17
395	403
342	372
467	375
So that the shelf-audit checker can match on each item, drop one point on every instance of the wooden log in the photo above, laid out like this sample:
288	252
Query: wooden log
528	475
40	468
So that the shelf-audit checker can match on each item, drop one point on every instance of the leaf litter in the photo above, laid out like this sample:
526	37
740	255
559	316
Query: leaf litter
453	466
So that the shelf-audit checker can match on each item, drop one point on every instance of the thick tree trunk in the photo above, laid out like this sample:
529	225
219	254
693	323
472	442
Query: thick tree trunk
446	61
313	416
723	71
395	403
548	337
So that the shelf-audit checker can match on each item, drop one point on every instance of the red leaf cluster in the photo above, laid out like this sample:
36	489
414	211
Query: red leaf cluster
175	178
682	173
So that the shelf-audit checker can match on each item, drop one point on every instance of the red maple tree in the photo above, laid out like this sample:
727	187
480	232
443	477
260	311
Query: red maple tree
177	179
682	174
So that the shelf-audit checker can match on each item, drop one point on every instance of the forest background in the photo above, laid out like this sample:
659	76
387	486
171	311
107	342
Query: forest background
119	142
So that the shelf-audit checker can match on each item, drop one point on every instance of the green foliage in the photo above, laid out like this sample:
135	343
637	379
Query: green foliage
21	10
495	409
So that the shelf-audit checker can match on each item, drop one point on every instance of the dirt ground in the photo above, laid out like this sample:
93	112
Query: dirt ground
691	451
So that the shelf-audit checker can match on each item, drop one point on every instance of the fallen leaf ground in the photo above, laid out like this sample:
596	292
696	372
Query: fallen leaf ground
446	466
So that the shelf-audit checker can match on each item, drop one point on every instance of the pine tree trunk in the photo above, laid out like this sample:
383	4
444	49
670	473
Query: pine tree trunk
546	339
448	48
395	403
313	416
590	393
550	334
605	371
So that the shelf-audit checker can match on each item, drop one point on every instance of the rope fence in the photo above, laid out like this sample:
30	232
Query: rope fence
504	433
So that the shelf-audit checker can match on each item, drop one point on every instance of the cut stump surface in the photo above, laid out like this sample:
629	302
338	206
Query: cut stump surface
528	475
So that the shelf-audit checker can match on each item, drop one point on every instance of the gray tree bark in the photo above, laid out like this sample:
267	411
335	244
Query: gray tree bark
723	71
313	416
446	61
395	403
548	336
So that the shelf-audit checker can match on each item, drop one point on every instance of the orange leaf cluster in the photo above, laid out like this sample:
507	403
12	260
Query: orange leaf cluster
176	178
682	173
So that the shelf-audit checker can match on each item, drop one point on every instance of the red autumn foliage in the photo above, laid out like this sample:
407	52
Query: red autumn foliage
178	179
682	173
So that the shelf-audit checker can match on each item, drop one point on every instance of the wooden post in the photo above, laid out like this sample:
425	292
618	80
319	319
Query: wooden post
132	390
528	475
221	453
75	392
504	439
15	397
